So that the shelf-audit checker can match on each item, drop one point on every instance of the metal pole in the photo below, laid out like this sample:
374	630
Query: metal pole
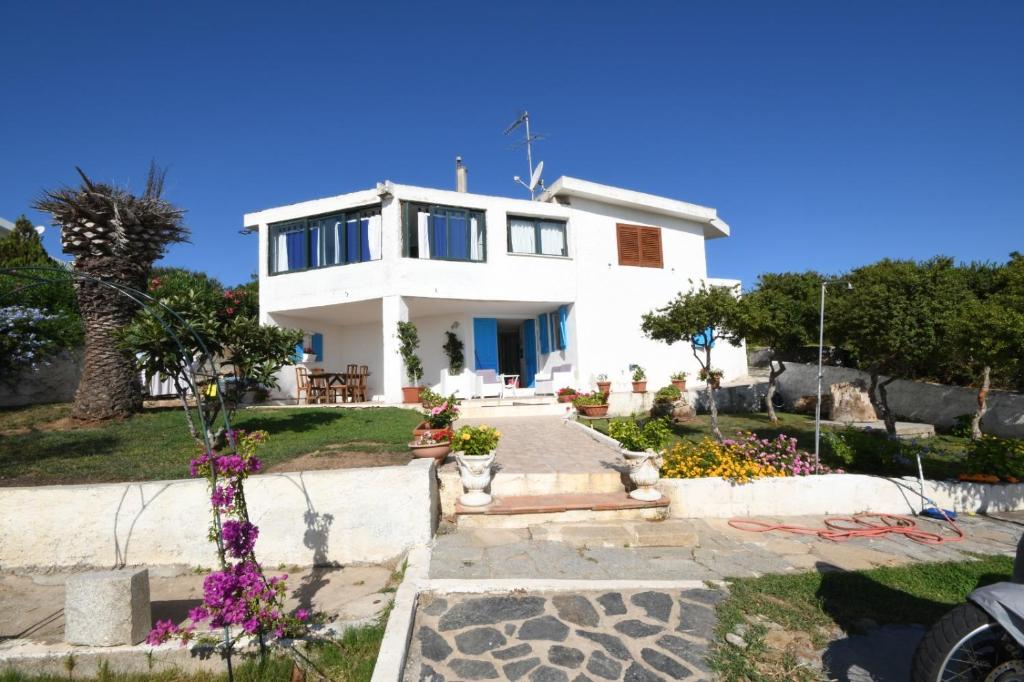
529	152
817	404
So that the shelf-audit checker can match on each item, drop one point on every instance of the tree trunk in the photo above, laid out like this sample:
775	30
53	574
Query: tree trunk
887	415
982	403
773	377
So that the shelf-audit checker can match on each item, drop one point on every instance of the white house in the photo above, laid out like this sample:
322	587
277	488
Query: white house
528	286
6	227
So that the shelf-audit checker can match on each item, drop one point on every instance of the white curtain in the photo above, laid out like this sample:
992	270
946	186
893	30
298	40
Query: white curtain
524	239
282	252
374	236
339	242
552	239
476	240
422	222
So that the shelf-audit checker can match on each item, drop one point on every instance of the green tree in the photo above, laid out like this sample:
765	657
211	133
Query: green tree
896	322
700	317
780	313
115	237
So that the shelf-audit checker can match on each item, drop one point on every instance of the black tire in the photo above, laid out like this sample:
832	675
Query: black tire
967	622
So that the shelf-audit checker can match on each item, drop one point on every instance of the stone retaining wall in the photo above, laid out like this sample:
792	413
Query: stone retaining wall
312	517
914	400
830	494
53	382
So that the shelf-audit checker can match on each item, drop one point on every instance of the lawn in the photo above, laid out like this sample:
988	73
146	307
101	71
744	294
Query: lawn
814	604
942	454
38	444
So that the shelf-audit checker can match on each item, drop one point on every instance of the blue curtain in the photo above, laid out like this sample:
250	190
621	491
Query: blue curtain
485	343
318	346
563	326
295	242
438	236
314	245
545	345
529	351
458	236
364	239
352	241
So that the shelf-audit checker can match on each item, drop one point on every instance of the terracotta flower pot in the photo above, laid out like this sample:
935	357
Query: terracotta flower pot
593	410
438	451
567	398
680	384
411	394
604	387
639	387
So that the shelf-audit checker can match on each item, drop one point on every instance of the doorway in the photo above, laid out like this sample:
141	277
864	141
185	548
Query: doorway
509	347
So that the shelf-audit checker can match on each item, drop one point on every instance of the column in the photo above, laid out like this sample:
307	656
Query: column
393	311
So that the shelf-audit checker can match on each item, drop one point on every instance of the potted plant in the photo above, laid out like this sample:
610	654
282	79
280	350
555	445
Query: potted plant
679	380
565	395
591	404
642	450
639	380
603	384
474	453
408	342
439	413
713	377
436	444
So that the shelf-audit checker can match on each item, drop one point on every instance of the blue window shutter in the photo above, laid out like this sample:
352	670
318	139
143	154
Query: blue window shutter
485	343
544	338
529	351
318	347
364	239
299	350
563	326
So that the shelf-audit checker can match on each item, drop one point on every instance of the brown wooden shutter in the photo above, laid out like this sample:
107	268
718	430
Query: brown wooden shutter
639	246
628	237
650	247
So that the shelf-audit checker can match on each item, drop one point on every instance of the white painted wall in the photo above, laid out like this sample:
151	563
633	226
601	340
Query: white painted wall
605	300
375	514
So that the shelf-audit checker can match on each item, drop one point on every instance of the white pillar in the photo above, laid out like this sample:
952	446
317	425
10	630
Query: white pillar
393	311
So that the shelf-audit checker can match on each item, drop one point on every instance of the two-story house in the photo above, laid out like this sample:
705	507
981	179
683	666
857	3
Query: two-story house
561	281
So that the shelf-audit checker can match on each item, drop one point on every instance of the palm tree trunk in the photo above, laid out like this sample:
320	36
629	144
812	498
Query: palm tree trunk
110	387
982	403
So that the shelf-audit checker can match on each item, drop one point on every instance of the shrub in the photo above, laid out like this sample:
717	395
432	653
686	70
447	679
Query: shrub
652	435
669	394
476	441
595	398
678	376
566	391
453	348
430	398
1002	457
711	459
408	342
962	426
639	374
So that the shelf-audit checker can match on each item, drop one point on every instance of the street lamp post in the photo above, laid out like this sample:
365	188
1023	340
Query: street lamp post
821	345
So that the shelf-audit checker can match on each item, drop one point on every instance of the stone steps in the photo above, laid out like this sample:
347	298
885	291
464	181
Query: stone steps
517	484
509	407
529	510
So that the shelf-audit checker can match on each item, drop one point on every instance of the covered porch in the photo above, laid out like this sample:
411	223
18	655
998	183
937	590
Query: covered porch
501	342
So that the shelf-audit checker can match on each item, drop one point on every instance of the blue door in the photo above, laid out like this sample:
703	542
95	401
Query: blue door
529	352
485	343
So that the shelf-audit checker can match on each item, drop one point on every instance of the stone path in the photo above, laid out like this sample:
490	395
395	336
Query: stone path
685	549
545	445
557	637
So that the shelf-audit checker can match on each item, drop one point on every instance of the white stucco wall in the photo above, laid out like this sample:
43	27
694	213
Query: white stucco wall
344	516
606	300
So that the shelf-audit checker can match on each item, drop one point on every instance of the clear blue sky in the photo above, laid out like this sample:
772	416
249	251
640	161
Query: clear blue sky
827	134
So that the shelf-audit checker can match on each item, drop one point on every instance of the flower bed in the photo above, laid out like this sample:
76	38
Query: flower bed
740	460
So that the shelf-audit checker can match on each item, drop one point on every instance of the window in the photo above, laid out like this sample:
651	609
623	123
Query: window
443	233
639	246
334	239
537	236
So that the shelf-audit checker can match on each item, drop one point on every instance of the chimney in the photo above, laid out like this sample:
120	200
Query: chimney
461	175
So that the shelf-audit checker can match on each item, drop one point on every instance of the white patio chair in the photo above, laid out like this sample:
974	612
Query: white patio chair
488	384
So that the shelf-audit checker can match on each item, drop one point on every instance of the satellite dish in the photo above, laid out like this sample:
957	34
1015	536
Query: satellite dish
40	229
535	178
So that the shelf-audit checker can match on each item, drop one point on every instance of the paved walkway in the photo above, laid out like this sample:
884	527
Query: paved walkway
545	445
704	549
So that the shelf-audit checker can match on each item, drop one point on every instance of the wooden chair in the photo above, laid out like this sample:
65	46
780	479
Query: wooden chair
364	373
352	383
303	386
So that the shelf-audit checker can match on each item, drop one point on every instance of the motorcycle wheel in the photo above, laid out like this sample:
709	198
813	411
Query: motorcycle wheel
966	645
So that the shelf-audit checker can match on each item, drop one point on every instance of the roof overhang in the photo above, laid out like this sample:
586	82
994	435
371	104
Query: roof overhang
714	227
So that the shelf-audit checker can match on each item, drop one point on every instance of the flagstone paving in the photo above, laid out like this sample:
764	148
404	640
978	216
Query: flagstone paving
635	635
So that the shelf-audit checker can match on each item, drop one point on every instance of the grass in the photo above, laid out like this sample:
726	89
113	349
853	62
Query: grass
348	659
39	446
875	453
815	603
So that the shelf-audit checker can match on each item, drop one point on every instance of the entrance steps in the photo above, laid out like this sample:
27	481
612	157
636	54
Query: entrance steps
493	408
506	484
525	511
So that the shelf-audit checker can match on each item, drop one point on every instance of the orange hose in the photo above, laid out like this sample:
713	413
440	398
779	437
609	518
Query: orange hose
842	528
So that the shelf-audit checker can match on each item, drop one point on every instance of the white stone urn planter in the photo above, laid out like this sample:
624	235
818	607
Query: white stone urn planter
475	472
644	472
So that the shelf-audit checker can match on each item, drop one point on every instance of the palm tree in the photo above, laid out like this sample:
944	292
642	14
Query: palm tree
114	236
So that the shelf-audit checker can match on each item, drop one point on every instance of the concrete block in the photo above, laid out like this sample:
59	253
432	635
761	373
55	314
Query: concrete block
107	608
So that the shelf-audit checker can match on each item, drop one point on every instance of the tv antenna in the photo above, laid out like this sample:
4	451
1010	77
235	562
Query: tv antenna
535	179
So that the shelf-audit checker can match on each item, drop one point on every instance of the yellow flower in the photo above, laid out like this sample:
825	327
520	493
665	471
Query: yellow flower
465	436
